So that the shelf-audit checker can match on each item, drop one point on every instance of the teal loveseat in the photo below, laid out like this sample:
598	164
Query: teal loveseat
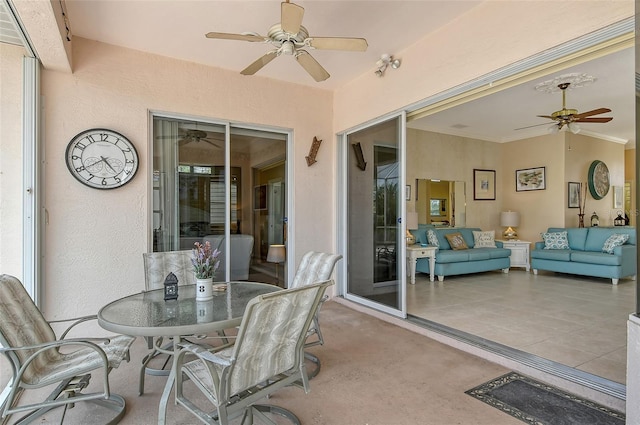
451	262
584	254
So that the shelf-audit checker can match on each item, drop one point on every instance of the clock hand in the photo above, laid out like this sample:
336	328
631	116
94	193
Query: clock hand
108	165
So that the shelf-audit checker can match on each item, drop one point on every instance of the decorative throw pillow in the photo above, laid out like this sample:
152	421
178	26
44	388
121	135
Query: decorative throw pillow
555	240
456	241
484	239
432	238
613	241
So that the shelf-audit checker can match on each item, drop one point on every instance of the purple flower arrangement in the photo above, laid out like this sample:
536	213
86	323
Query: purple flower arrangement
205	260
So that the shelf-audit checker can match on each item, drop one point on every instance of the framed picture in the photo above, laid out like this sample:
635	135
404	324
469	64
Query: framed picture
484	185
618	197
407	193
573	191
530	179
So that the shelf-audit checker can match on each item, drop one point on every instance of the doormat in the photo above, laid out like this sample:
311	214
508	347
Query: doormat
539	404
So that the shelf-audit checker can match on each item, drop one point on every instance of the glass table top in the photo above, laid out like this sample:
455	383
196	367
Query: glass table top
148	314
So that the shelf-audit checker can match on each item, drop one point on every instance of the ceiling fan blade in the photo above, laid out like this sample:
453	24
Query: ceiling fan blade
291	17
211	143
338	43
594	112
535	125
546	116
241	37
312	66
258	64
603	119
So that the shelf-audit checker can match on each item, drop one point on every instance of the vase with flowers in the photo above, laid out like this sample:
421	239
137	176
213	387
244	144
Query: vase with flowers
205	264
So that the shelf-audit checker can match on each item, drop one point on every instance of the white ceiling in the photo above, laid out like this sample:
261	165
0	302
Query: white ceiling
176	29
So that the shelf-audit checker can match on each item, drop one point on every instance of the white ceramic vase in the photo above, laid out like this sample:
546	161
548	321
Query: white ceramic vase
204	289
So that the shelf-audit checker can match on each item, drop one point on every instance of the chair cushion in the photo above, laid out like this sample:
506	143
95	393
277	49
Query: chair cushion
456	241
614	240
555	240
484	239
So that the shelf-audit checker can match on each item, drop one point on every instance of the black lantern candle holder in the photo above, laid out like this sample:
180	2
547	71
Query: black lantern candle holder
171	287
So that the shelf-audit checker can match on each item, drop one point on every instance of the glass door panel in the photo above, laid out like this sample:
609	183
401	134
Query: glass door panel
375	203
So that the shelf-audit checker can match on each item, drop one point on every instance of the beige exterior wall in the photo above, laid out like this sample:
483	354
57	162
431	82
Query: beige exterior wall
95	239
11	159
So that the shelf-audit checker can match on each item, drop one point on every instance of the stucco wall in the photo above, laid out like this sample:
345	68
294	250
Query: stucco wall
11	159
95	239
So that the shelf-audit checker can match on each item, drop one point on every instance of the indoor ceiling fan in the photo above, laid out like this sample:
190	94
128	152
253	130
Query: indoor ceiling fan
191	136
570	117
289	37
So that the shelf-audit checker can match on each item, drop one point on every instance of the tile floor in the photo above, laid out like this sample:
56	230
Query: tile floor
576	321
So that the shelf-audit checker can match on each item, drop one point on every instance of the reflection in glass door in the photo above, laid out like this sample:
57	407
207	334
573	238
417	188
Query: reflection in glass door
374	204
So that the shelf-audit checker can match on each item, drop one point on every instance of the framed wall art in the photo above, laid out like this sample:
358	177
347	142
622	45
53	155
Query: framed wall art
407	193
531	179
484	185
573	191
618	197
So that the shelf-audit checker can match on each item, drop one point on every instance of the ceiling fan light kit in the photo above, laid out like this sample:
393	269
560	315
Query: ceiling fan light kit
290	38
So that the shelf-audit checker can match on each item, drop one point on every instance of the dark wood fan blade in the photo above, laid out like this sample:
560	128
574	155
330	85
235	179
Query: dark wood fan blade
546	116
211	143
603	119
312	66
594	112
291	17
258	64
339	43
241	37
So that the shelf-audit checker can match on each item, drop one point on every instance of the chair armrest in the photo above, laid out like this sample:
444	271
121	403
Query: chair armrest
76	321
205	354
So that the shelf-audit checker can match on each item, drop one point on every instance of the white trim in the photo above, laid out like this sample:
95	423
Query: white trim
33	196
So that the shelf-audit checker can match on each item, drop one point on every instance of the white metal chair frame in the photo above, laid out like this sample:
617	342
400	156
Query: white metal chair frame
315	267
41	364
268	354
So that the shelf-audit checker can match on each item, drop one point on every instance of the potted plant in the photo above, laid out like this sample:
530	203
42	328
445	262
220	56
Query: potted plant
205	264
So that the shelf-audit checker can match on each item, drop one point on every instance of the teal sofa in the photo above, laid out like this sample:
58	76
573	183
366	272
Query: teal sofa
585	255
451	262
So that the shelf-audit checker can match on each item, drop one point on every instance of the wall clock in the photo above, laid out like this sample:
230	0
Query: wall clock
598	179
101	158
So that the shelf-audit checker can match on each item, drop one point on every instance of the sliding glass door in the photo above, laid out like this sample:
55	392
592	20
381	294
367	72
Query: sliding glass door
375	205
224	184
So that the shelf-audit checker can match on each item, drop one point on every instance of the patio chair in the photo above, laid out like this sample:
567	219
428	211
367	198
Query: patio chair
38	359
314	267
267	355
157	265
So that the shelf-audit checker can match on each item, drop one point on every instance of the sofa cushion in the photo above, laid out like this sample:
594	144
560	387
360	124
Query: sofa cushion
432	239
613	241
499	252
555	240
597	237
484	239
456	241
479	254
552	254
451	256
590	257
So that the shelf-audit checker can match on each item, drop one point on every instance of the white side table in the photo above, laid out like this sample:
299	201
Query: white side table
519	252
416	251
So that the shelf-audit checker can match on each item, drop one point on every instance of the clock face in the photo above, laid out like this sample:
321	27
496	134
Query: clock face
102	159
598	179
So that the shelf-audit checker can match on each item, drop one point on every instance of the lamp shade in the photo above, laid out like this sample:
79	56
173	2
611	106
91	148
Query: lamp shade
509	219
276	254
412	220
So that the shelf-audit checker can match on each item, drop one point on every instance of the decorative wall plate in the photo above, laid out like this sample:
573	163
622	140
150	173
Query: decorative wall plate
598	179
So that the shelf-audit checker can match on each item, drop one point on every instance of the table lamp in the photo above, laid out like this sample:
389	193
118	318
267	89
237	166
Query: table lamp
412	224
510	219
276	254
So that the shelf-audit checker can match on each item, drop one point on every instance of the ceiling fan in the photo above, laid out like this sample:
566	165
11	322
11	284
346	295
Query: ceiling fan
570	117
289	37
191	136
